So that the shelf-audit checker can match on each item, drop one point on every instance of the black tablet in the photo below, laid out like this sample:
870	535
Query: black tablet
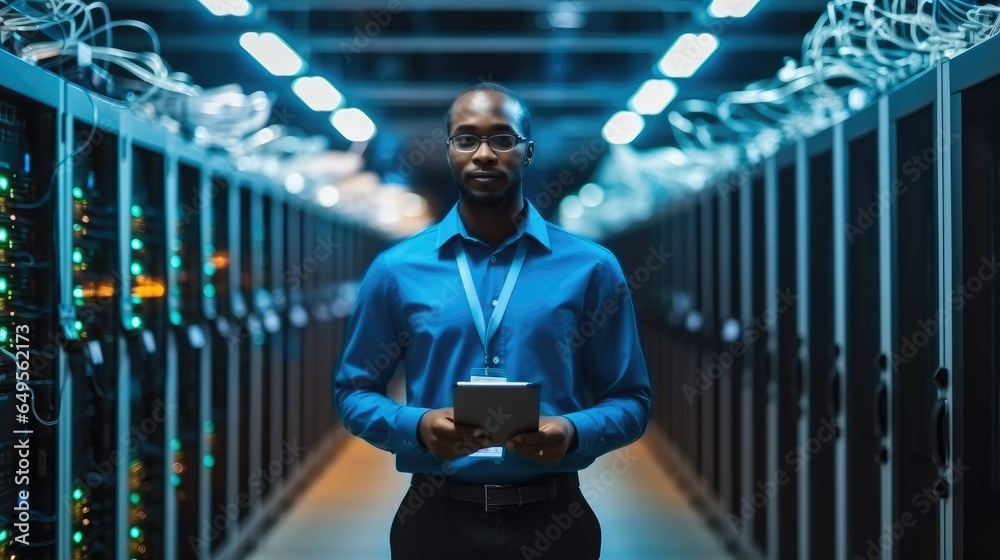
502	410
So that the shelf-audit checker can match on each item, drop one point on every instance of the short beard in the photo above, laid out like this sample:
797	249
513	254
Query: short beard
494	202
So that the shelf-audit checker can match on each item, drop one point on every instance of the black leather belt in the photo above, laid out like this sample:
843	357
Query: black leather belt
493	496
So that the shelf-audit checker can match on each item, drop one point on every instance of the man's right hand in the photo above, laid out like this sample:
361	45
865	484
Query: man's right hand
447	440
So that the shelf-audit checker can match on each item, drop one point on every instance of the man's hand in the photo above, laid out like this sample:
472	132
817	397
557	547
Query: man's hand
447	440
549	444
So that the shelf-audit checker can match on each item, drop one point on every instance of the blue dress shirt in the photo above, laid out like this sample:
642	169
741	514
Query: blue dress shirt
569	327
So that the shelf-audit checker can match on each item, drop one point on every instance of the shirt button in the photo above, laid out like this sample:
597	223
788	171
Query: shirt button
496	360
495	303
493	258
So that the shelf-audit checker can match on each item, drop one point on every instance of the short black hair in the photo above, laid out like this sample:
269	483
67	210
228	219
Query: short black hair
497	88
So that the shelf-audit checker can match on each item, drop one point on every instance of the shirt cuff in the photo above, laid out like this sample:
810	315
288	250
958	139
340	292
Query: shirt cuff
407	425
587	432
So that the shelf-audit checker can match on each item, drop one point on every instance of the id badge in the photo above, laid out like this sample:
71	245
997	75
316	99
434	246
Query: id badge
489	375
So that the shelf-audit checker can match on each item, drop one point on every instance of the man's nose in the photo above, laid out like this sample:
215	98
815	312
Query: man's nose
484	153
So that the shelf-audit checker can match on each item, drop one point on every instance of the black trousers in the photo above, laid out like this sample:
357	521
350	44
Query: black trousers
441	528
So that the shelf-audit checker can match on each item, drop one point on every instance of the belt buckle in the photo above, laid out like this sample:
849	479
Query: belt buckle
486	495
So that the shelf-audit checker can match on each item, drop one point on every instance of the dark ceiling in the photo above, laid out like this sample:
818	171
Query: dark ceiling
403	61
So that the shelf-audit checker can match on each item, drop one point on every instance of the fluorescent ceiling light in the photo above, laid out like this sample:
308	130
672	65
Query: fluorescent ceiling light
731	8
318	93
272	53
238	8
623	127
688	54
328	196
653	96
353	124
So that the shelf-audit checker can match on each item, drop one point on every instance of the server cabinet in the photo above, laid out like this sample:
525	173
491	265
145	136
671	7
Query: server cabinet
814	376
857	215
733	351
911	319
193	386
778	486
706	332
273	303
966	429
314	340
144	317
246	381
224	343
30	343
750	520
95	342
297	322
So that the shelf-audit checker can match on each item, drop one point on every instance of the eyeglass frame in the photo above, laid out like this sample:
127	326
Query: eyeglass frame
487	139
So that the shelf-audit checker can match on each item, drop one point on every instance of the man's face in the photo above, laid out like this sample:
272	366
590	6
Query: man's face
484	174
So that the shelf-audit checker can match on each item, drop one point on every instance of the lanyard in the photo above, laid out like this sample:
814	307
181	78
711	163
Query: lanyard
486	333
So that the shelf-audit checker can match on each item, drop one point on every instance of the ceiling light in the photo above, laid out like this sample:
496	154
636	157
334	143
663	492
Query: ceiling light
653	96
327	196
238	8
272	53
623	127
731	8
687	54
353	124
318	93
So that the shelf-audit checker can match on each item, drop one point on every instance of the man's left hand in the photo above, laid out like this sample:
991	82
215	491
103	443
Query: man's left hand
549	444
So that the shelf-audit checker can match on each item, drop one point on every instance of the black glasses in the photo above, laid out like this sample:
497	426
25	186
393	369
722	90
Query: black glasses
497	142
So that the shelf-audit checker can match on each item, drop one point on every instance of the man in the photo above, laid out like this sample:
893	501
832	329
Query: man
559	314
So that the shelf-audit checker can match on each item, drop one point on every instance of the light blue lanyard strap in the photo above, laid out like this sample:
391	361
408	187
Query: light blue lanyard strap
486	334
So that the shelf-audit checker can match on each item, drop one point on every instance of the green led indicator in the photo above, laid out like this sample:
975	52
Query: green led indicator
3	334
136	211
209	290
136	300
175	444
208	426
77	227
77	256
77	537
136	269
137	244
134	498
136	322
209	461
209	269
134	532
175	317
3	235
4	183
78	292
78	325
77	192
3	535
175	479
3	284
175	261
77	494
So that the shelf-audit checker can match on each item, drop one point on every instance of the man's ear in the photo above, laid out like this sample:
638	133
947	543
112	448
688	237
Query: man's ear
529	154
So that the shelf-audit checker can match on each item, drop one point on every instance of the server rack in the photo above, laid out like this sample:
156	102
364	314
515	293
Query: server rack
706	332
752	383
908	130
966	435
814	377
778	484
31	362
857	215
297	321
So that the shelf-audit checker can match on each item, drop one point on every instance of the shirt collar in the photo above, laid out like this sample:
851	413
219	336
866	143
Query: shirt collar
532	224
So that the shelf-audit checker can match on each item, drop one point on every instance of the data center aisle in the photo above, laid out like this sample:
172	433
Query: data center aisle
345	514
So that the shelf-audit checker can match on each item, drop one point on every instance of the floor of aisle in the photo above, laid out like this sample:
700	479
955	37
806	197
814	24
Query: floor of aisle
345	514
